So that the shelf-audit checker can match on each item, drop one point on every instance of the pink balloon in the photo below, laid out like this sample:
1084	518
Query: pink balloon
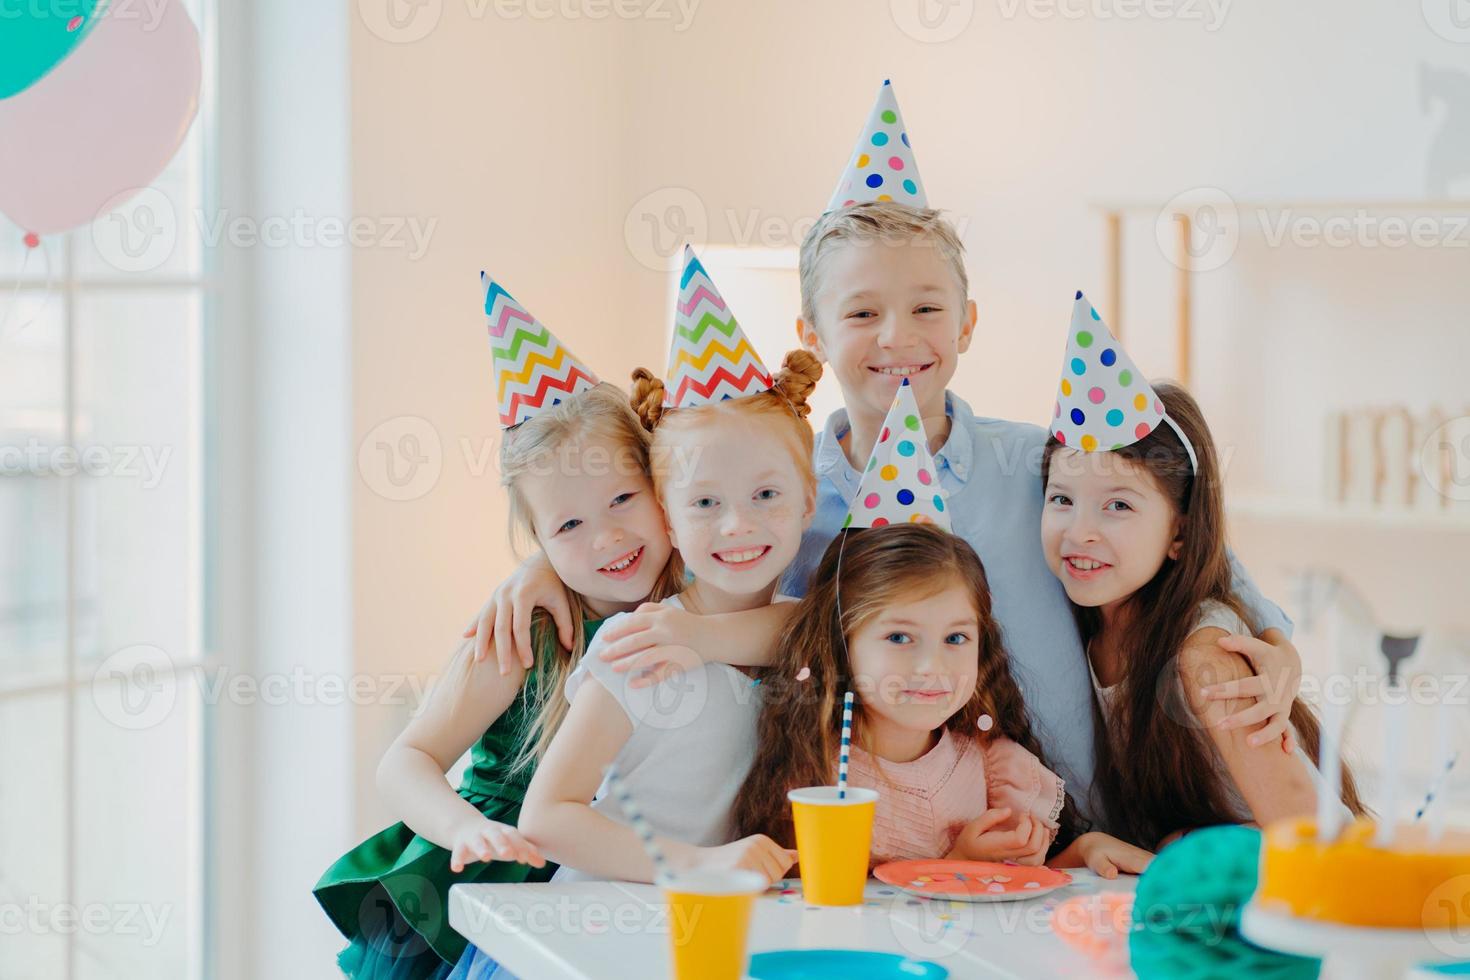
105	121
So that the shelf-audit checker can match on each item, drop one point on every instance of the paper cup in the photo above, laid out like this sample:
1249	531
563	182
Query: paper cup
833	838
709	919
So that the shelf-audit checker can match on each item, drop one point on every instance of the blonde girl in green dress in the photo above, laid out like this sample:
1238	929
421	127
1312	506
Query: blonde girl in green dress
577	478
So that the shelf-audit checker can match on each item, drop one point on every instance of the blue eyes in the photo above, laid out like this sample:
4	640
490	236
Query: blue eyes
705	503
903	639
569	525
623	498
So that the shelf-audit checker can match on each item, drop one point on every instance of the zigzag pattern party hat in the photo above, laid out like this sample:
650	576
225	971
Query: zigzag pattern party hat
710	359
901	483
533	371
1104	402
882	166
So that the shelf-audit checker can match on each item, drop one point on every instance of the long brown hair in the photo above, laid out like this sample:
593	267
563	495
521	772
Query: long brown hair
801	720
1150	780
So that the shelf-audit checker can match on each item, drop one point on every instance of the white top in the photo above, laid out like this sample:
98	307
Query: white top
694	738
1220	616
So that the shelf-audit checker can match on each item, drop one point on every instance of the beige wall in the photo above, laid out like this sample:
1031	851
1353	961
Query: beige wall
530	141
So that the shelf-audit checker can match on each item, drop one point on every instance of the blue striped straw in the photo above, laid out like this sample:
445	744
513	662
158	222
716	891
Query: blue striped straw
846	745
619	791
1435	786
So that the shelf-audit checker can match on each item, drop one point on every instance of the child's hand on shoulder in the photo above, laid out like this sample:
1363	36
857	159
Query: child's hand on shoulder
984	840
505	619
1274	687
1105	855
480	839
756	853
654	642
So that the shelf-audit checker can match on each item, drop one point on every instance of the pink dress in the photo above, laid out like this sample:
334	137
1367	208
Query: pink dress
924	804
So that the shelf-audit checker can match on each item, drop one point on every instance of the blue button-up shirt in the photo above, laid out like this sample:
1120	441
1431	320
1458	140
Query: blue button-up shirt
991	471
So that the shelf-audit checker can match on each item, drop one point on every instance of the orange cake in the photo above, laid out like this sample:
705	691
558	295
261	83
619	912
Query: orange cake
1414	883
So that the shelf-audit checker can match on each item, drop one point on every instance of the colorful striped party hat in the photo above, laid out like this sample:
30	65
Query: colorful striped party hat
711	359
1104	402
901	483
533	371
882	166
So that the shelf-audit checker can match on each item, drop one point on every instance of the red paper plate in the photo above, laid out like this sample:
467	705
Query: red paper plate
971	881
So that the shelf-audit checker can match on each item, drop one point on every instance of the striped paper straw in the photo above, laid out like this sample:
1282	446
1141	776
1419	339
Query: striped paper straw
846	745
619	790
1435	786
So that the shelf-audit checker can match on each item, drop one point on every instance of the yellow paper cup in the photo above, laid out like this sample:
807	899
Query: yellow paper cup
833	838
709	919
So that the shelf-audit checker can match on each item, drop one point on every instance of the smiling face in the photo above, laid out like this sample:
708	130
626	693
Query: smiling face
885	310
1106	527
596	517
915	663
736	500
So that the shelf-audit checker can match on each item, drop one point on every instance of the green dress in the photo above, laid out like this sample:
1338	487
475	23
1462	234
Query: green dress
389	895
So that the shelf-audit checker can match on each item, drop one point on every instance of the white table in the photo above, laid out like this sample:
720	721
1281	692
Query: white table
596	930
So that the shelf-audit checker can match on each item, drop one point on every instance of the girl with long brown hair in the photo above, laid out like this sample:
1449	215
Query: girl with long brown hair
899	613
902	615
1136	534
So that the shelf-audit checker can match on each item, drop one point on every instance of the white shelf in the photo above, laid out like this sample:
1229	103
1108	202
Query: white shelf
1308	510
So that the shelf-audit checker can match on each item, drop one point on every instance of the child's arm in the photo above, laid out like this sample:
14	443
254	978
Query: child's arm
1278	667
1274	685
505	618
468	700
657	639
558	818
1273	784
1103	854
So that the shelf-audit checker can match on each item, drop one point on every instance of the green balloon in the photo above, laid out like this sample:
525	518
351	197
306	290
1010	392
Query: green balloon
35	37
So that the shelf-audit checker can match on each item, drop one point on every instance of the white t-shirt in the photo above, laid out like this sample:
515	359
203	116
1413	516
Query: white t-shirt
1219	615
693	740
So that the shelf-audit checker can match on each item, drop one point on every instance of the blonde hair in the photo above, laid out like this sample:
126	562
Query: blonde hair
784	405
601	413
869	223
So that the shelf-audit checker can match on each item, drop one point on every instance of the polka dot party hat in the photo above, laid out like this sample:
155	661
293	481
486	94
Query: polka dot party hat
1104	402
901	483
711	359
882	167
533	371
